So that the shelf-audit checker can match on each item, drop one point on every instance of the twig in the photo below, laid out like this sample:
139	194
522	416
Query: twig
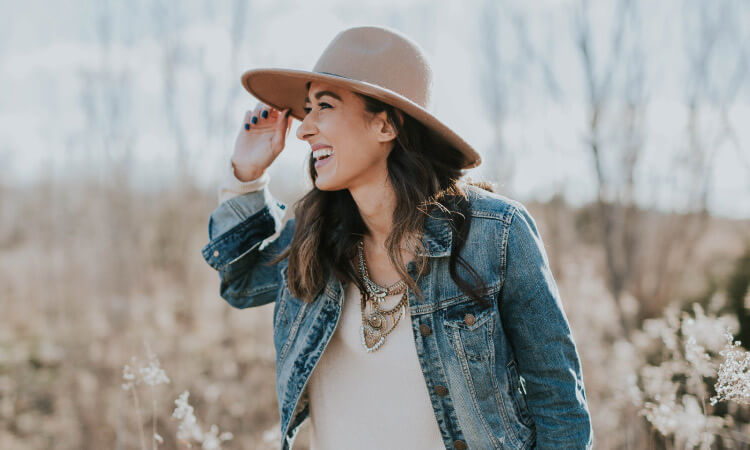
153	416
138	414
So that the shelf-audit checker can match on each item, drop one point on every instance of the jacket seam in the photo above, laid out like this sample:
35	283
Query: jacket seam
504	252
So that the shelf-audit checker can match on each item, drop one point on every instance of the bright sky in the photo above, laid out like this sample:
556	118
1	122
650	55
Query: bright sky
57	110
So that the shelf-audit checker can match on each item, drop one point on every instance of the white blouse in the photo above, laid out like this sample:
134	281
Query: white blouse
371	400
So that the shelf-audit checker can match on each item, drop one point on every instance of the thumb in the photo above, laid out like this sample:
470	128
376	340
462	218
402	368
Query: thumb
282	124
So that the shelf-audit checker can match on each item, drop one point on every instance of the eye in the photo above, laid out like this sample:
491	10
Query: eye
307	110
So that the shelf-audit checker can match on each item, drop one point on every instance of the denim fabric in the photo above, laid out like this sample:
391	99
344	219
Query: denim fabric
510	378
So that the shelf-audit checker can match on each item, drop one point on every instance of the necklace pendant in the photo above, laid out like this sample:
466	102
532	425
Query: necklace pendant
375	320
364	340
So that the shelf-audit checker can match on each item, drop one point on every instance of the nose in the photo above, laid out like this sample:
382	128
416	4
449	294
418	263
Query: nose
307	128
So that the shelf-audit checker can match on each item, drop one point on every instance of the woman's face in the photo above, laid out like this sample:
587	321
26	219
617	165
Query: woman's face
336	120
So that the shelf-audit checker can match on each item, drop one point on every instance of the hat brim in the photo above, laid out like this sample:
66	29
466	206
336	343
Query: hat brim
286	88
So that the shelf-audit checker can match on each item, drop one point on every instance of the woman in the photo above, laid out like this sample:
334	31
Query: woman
412	309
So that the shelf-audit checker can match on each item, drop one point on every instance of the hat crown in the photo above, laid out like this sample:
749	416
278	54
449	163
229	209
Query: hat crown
380	56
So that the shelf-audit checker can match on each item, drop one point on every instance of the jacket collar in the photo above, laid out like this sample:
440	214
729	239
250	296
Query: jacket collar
437	238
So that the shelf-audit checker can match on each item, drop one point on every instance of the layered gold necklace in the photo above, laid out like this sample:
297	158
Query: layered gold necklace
378	322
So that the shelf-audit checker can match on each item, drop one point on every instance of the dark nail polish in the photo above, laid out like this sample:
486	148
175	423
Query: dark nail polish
264	114
247	126
254	120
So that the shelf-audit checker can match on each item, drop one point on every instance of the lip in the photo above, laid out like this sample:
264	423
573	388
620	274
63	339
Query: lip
322	162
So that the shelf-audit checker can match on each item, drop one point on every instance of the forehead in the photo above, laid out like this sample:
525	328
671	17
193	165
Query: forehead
319	88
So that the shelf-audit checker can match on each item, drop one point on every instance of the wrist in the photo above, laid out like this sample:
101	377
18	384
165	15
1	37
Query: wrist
247	174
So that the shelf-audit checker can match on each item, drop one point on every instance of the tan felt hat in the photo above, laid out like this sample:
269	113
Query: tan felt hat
375	61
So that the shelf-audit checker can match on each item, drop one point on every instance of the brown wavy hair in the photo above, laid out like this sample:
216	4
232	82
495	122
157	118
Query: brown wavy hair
423	170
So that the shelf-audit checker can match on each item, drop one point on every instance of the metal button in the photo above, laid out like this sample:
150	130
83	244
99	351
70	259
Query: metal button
441	390
458	444
216	253
425	329
469	319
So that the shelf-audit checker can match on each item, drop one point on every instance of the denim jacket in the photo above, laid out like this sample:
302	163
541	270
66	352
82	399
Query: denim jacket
507	376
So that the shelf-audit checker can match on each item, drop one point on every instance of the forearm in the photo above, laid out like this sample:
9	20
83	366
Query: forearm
245	231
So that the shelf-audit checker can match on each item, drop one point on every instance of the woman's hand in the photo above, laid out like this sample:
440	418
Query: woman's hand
258	144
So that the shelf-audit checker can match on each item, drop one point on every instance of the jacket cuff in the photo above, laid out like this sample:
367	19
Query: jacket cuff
239	208
240	240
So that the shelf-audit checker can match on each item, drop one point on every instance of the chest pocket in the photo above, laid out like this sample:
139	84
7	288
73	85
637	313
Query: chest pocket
287	316
470	327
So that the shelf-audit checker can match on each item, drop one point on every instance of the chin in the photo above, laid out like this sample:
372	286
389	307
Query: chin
323	185
324	181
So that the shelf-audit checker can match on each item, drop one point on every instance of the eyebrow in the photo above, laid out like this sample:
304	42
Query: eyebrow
322	93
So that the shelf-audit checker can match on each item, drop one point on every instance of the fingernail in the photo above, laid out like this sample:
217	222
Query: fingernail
264	114
247	126
254	120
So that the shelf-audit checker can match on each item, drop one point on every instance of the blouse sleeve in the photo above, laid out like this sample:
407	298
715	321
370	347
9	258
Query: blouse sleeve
231	186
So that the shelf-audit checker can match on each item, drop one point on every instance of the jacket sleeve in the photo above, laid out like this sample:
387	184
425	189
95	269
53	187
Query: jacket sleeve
245	231
540	335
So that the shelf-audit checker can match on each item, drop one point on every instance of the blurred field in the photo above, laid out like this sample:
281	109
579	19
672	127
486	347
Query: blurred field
91	272
635	107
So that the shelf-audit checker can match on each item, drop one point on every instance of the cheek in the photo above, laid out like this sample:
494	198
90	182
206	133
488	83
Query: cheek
353	146
356	155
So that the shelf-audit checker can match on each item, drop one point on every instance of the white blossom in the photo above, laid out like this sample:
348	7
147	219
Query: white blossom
149	373
675	386
189	430
733	381
152	374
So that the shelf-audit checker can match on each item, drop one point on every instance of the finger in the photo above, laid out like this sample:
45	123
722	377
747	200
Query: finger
264	113
247	120
254	119
289	122
282	124
273	114
282	120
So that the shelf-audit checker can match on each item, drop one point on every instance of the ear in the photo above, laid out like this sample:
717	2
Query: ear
383	128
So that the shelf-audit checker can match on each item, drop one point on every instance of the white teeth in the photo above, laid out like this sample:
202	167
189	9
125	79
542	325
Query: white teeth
317	154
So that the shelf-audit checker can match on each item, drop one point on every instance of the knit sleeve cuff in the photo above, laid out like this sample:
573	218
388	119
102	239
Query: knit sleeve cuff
231	186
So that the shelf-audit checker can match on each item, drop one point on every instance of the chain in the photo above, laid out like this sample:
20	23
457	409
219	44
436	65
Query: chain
373	325
373	288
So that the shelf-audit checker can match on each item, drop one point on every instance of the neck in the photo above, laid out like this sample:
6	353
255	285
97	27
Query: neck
376	202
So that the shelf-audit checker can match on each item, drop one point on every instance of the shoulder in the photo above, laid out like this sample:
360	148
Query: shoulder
492	205
504	220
